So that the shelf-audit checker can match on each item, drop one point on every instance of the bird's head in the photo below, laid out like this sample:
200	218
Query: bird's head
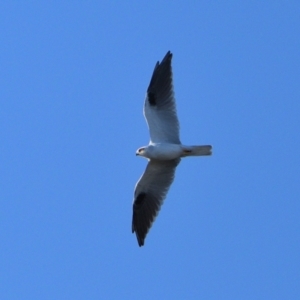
141	151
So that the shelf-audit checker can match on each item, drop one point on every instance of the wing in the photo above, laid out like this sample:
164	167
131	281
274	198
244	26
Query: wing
159	107
149	194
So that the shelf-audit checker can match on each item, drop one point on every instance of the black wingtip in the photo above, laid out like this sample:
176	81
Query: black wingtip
167	57
162	73
141	243
139	239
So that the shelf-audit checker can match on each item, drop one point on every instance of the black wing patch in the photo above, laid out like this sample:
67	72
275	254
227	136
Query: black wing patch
145	209
161	80
140	199
151	98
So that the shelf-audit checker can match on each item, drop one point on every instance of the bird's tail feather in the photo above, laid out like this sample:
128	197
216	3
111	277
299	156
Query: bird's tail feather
197	150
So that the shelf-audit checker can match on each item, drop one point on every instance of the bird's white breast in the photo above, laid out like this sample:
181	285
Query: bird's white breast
164	151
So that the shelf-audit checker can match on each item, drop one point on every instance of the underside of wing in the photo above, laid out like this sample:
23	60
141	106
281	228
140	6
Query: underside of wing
160	107
149	195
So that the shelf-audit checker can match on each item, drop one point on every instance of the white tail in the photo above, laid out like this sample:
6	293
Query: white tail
197	150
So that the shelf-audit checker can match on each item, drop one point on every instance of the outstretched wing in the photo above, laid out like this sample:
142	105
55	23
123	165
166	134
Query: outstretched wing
149	194
159	107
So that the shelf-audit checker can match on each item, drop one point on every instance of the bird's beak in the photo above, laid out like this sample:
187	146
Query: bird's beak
136	154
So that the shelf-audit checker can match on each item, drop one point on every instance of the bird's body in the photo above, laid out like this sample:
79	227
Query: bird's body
167	151
163	152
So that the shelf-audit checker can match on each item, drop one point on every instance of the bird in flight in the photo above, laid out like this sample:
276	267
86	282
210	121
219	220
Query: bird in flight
163	152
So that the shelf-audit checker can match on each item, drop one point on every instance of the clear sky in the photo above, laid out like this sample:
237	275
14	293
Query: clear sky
73	81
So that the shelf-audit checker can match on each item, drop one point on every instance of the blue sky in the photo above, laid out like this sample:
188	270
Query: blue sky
73	81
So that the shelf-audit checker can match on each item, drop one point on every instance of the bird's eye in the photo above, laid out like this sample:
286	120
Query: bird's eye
141	150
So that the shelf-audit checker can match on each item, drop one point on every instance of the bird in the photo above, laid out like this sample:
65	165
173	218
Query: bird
163	152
